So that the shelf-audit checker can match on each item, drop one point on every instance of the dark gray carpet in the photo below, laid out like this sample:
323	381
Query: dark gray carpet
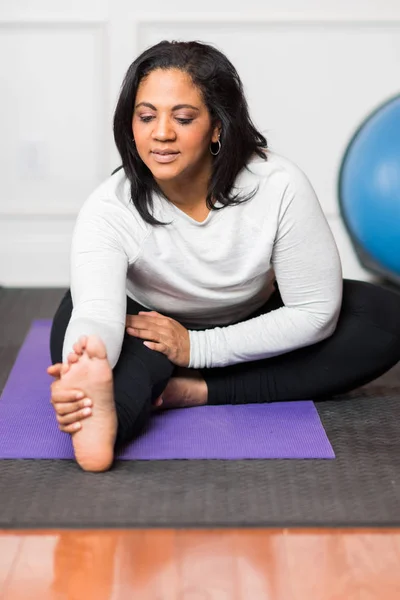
360	488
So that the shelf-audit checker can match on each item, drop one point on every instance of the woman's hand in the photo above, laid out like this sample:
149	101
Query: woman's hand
70	406
162	334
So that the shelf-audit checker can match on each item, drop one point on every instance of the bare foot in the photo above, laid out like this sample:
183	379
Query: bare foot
91	373
186	388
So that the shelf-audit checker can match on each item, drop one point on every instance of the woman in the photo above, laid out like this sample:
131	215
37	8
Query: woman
176	261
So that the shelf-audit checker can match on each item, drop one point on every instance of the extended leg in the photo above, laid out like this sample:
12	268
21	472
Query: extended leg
139	377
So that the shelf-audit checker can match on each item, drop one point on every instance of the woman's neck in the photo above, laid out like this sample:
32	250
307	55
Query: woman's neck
188	194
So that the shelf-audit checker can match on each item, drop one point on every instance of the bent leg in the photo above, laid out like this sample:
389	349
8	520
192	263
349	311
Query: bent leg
365	344
139	377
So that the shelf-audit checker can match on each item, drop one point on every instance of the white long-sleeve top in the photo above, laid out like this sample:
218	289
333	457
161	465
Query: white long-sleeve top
210	273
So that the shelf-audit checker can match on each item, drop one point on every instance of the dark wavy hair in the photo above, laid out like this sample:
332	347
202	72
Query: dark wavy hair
222	92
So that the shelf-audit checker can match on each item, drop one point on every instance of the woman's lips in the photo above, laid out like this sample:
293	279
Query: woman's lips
164	158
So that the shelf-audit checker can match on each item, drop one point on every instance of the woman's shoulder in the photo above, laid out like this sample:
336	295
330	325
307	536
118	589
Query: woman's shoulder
278	175
274	165
111	200
113	190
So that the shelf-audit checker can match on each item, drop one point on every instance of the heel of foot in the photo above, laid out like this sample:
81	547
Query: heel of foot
96	464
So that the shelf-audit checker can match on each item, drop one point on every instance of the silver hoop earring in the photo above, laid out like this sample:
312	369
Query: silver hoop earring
219	148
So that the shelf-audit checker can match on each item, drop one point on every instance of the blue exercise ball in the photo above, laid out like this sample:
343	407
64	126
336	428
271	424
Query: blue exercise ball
369	190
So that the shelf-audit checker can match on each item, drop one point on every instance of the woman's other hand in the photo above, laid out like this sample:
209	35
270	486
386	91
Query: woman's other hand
162	334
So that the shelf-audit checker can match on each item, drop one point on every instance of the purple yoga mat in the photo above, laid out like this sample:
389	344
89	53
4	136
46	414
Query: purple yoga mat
28	428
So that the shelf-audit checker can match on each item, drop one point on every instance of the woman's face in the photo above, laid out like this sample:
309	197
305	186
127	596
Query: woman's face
171	126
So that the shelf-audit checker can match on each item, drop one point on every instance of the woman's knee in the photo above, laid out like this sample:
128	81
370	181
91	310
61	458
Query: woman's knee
367	340
373	304
155	364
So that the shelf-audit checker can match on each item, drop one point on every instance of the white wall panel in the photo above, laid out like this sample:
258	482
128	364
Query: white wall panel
34	251
53	118
328	10
27	10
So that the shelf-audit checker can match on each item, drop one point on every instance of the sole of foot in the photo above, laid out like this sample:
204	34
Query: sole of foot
94	442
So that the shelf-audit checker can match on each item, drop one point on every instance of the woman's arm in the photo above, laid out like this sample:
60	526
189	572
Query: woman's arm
98	272
309	274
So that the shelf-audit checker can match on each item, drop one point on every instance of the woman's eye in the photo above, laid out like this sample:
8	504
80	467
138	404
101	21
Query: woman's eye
148	118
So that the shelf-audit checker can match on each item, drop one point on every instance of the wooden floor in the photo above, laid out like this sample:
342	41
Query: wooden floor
228	564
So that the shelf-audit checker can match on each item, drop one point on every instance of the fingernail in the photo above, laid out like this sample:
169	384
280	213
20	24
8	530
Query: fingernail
79	395
87	403
86	411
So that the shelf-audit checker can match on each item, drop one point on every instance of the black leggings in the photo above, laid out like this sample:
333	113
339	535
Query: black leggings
365	344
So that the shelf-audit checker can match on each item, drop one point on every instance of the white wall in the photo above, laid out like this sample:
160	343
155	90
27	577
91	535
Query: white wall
312	73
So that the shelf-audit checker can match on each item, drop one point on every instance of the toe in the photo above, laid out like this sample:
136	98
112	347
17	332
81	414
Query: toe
78	348
83	341
72	358
158	401
95	347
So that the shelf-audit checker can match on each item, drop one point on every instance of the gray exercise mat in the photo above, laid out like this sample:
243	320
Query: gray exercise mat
360	488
